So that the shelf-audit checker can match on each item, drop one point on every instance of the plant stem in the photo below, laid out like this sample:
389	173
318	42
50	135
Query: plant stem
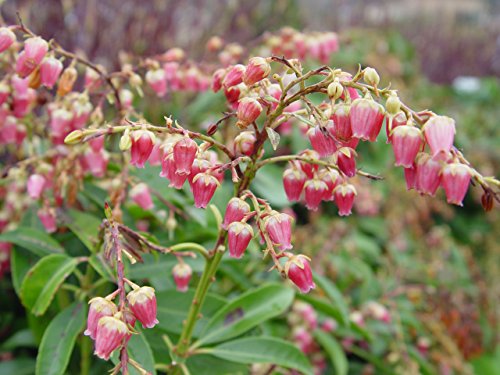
85	351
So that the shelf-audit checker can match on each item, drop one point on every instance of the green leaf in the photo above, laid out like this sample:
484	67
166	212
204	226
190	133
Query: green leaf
173	307
21	260
84	226
101	267
34	240
274	137
43	280
59	339
247	311
334	351
140	351
268	184
263	350
335	296
23	338
18	366
210	365
324	306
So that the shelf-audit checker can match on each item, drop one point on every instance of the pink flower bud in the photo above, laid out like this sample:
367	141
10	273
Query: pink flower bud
346	161
257	69
232	95
24	67
203	186
157	80
278	226
367	117
156	155
60	121
7	37
168	169
329	325
95	162
248	111
392	122
142	303
428	174
455	179
411	177
234	75
236	210
341	128
141	196
182	275
439	133
299	272
8	130
238	237
35	49
184	152
321	141
50	70
306	167
97	144
126	98
244	143
142	145
110	334
48	218
99	307
331	178
35	185
314	191
4	92
406	143
293	182
92	80
217	79
199	166
344	197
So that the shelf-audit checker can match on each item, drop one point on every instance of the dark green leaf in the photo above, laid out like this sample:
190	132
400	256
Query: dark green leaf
18	366
335	296
84	226
334	351
247	311
210	365
268	185
263	350
43	280
21	260
59	339
34	240
22	338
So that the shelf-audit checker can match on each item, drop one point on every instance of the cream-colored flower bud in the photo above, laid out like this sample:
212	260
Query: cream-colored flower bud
125	141
371	76
393	104
335	90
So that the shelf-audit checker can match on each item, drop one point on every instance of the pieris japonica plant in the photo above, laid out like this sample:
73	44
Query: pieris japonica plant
67	121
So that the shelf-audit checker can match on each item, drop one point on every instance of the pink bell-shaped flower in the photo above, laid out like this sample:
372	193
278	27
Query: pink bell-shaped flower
200	165
95	162
50	70
168	169
48	218
204	186
238	237
344	197
439	133
367	117
455	179
97	144
99	307
7	37
298	270
35	49
236	210
392	122
406	143
341	128
332	178
315	191
309	168
234	76
321	141
257	69
184	152
279	227
110	334
217	79
157	80
142	303
428	175
182	275
293	182
411	177
142	145
244	143
35	186
346	161
141	196
248	111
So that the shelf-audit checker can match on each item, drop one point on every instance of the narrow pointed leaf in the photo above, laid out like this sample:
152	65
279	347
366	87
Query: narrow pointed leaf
334	351
34	240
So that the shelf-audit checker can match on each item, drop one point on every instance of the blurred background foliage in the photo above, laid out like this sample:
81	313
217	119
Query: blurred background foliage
434	266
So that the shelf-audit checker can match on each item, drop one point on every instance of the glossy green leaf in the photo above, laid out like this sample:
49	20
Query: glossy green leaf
59	339
335	352
34	240
335	296
263	350
84	226
43	280
173	307
247	311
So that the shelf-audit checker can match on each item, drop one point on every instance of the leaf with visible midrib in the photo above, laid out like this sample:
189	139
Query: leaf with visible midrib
263	350
34	240
59	339
246	312
43	280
